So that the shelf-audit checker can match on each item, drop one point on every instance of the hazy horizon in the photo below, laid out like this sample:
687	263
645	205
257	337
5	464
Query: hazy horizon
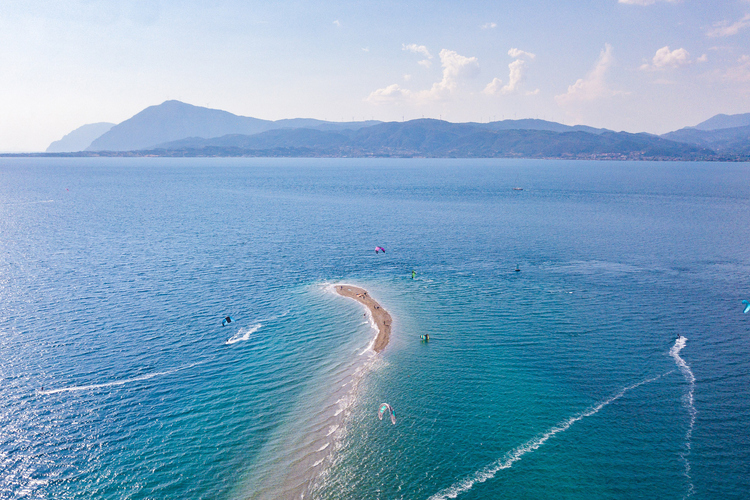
632	65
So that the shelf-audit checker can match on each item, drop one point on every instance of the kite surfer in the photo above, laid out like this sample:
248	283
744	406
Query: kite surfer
226	321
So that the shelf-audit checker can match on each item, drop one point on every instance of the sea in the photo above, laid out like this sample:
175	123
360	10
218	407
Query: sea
586	332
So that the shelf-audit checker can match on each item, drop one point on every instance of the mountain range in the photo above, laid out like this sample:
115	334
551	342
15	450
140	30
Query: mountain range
174	128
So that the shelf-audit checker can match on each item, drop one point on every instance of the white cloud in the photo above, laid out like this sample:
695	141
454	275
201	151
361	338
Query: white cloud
702	58
594	86
407	78
644	2
494	87
517	53
664	58
337	23
365	49
489	26
455	69
678	57
517	72
419	49
723	28
391	93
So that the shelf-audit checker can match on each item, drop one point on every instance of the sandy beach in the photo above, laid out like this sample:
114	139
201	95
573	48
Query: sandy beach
380	315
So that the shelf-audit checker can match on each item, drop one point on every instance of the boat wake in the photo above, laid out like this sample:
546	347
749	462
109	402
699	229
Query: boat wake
243	334
516	454
115	383
689	403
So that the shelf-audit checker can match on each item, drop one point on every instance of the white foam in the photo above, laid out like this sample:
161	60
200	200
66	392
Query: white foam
332	429
515	455
689	404
243	334
323	447
315	465
112	384
374	326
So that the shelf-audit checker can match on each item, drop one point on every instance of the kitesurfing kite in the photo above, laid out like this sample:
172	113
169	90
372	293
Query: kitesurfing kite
383	408
413	274
226	321
747	306
381	249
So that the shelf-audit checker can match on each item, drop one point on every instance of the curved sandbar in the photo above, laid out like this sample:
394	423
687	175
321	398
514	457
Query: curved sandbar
380	315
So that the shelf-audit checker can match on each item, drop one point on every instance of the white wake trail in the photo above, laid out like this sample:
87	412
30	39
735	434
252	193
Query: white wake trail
243	334
515	455
689	403
112	384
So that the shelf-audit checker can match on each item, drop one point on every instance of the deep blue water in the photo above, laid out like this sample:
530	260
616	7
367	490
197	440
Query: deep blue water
562	381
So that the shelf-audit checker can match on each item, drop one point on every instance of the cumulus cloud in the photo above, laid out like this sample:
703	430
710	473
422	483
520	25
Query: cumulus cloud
494	87
517	53
517	72
664	58
489	26
724	28
675	58
455	69
594	85
419	49
392	93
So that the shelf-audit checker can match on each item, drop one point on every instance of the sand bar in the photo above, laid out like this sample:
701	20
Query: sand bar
380	315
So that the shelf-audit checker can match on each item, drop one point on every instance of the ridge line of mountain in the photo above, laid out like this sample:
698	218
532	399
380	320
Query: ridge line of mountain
174	128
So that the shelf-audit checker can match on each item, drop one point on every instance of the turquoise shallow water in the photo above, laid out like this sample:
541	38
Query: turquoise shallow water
565	380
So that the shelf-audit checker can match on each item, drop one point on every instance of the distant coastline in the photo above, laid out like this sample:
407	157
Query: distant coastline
309	153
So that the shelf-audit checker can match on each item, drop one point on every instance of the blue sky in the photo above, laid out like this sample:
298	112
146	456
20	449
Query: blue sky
635	65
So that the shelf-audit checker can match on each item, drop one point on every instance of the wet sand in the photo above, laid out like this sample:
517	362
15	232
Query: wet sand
380	315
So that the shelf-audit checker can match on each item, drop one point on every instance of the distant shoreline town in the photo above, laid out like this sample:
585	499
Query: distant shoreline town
175	129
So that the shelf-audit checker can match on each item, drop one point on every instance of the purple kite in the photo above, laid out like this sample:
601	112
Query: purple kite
379	249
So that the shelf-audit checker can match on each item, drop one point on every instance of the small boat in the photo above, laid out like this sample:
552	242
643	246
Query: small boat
517	189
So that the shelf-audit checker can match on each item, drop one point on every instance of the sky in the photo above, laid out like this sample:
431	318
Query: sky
634	65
